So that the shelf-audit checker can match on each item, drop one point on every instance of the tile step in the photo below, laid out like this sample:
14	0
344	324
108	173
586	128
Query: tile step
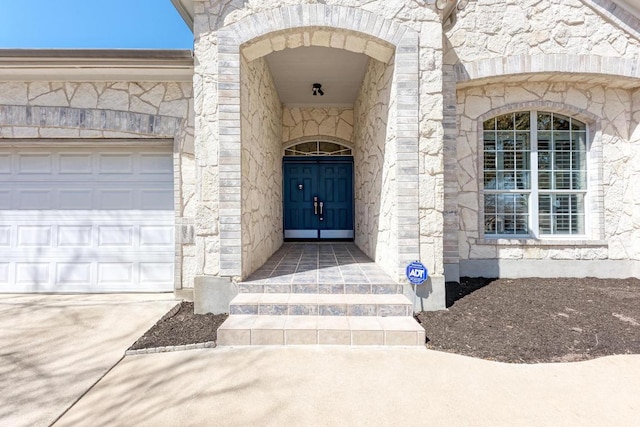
321	305
320	288
244	330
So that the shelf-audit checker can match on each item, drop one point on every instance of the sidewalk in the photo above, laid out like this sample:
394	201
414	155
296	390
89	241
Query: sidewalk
318	386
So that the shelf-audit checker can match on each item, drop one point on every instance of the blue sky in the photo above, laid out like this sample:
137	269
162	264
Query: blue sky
148	24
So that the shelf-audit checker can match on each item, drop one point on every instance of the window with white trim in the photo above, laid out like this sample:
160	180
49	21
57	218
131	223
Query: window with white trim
535	175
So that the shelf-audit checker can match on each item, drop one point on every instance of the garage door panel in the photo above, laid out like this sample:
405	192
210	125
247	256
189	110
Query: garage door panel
73	273
115	164
153	199
152	272
32	272
34	199
35	163
5	199
151	236
34	236
75	164
110	236
76	199
5	236
78	220
155	164
5	164
75	236
115	273
5	268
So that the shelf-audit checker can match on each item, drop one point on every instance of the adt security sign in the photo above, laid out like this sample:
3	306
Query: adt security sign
417	273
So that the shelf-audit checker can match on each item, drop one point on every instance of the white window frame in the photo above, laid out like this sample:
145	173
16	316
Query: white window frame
534	190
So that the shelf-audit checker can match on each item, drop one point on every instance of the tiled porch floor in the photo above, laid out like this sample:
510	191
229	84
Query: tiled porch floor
320	293
319	268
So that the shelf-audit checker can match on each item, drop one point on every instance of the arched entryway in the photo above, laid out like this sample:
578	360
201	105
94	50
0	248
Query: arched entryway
318	202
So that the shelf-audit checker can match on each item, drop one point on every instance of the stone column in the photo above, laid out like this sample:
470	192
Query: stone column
212	292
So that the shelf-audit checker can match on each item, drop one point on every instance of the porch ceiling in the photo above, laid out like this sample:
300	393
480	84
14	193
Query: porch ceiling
339	71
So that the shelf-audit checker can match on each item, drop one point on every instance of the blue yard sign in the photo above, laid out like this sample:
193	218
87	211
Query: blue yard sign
417	273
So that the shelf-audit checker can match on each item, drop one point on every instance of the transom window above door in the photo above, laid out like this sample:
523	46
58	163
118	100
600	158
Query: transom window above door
317	148
535	175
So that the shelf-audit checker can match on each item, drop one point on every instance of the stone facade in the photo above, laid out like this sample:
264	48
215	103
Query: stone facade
261	225
303	124
225	31
415	128
549	56
375	174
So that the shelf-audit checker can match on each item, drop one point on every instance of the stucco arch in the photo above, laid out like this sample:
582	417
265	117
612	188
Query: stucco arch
254	36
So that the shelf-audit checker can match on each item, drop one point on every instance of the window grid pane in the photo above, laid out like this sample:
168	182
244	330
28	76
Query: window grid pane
561	174
561	213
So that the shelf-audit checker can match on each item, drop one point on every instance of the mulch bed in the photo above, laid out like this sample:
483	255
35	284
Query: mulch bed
183	327
537	320
516	321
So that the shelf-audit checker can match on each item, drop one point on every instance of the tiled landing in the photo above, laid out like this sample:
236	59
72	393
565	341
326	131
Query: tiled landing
326	293
325	268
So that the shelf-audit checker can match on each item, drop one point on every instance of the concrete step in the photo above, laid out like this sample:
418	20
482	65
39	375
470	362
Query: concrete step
243	330
319	288
321	304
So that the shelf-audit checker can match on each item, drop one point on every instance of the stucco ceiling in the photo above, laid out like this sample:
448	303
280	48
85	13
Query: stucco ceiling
339	71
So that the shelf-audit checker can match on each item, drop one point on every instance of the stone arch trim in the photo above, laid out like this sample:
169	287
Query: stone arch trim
594	154
262	23
549	63
554	107
405	42
90	119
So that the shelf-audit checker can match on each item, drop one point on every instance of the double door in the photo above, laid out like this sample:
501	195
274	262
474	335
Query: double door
318	198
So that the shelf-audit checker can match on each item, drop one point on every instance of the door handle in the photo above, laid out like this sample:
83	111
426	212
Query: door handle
321	205
315	206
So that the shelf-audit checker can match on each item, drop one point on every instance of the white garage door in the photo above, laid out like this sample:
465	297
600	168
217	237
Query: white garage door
86	220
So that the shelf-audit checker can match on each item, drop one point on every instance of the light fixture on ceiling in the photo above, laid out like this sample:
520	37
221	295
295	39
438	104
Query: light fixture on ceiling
317	89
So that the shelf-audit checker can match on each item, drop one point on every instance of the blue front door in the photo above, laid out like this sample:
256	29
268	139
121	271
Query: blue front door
318	198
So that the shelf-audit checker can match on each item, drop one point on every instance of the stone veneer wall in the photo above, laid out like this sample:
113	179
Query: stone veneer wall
613	168
487	28
410	30
127	110
555	55
330	123
261	131
376	226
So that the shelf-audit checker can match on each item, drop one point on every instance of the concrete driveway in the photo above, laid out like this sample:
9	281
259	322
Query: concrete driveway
341	386
53	348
